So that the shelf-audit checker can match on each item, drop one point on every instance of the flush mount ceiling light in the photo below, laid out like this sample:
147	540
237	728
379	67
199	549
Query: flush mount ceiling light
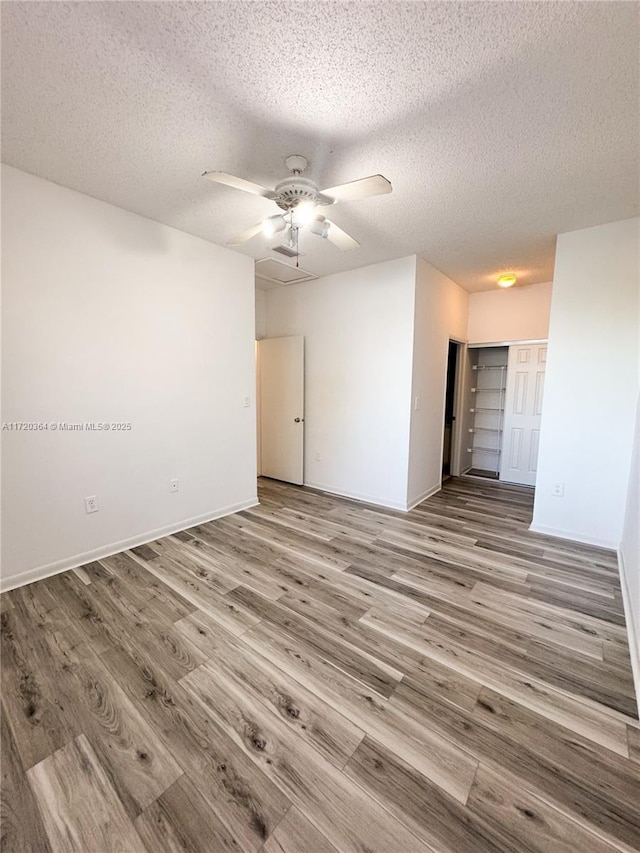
299	199
507	280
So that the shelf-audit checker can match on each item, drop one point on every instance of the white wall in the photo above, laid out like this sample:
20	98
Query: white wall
630	556
261	313
518	314
441	310
261	332
591	384
358	330
111	317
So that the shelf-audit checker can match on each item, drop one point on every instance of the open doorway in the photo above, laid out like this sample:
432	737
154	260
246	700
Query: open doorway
448	438
502	411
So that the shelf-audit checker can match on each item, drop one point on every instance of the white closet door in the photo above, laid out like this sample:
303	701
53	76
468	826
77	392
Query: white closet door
282	408
523	409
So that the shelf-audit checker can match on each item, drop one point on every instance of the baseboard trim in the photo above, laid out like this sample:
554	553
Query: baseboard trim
64	565
426	494
368	499
633	629
357	496
574	536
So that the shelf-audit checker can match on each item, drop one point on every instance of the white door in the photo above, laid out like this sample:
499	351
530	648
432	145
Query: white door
281	362
523	408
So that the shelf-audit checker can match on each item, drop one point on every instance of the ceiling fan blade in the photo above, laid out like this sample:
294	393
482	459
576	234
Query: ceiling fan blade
340	238
240	184
365	187
244	235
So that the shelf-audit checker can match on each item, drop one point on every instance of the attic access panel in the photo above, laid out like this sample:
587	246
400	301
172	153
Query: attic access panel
281	273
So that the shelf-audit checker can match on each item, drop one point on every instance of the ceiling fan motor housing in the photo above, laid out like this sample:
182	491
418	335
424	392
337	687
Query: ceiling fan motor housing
294	191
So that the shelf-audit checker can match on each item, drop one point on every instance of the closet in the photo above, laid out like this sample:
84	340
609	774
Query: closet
488	379
503	402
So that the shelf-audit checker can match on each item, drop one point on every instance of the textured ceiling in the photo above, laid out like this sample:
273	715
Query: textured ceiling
498	124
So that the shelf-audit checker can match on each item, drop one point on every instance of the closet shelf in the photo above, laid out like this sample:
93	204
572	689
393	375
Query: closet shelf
486	418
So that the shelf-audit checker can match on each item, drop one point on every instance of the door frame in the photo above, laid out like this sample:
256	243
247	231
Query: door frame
455	465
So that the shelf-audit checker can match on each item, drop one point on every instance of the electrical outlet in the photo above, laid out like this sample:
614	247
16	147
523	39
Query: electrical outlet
317	456
558	490
246	402
91	504
173	485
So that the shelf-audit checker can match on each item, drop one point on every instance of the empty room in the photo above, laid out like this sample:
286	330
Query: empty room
320	426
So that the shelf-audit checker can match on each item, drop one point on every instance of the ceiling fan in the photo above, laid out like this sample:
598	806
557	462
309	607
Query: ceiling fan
299	199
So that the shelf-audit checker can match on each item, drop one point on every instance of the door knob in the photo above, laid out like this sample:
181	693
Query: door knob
297	420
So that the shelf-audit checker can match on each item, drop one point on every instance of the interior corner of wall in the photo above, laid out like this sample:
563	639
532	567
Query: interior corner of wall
632	619
427	493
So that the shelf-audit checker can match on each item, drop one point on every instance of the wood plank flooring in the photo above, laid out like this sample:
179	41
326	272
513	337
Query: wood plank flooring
316	675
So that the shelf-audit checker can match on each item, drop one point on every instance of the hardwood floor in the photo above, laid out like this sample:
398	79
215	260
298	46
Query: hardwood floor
316	675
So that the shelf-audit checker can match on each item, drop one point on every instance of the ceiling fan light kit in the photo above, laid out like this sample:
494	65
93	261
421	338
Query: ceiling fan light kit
320	226
304	213
299	198
273	225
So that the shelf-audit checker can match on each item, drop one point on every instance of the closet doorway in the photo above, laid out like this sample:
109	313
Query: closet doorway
488	381
503	405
